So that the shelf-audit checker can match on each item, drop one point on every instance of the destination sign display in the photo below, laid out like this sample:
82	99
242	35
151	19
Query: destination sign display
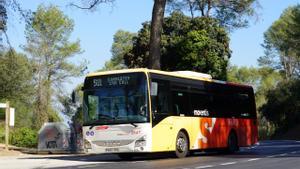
112	80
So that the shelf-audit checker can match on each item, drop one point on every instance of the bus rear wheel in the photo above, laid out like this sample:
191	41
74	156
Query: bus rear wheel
232	143
182	145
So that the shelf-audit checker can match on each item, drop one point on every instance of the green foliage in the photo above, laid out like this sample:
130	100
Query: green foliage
121	45
16	85
3	16
2	132
24	137
282	43
230	14
49	47
280	105
198	44
15	76
283	105
246	75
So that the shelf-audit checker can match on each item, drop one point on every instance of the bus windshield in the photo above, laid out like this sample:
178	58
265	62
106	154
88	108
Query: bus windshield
115	99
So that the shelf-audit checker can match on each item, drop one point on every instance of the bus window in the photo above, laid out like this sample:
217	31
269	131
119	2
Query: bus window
160	101
93	106
180	103
200	104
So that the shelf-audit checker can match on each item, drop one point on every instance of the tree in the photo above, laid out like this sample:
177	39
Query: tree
230	14
198	44
48	44
3	17
121	45
15	76
16	85
156	25
282	43
7	6
155	34
282	106
244	75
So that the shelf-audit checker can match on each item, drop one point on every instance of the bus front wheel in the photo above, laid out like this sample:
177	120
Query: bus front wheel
182	145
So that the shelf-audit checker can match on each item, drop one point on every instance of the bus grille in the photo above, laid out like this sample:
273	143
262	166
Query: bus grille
112	143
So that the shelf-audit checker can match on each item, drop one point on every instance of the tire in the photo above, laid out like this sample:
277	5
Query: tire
232	143
125	156
182	145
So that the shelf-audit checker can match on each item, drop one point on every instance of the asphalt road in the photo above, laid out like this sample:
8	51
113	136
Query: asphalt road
265	155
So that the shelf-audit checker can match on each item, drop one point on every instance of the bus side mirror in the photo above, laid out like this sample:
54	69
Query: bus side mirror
73	95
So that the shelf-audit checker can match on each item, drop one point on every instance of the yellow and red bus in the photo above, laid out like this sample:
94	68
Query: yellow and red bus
142	110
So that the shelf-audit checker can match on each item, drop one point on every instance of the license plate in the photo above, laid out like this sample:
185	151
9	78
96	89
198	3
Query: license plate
111	150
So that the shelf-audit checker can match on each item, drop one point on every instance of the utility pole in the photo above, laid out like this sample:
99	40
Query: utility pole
6	125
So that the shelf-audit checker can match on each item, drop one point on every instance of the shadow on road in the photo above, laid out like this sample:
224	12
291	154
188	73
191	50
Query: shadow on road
265	149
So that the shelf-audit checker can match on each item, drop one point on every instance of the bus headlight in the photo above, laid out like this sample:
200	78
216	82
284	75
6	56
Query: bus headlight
140	143
87	144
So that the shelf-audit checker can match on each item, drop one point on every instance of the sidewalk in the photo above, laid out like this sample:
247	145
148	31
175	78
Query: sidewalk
12	151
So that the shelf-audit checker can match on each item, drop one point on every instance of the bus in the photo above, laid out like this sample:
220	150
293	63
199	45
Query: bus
142	111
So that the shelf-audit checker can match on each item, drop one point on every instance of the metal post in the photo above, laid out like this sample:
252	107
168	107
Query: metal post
6	125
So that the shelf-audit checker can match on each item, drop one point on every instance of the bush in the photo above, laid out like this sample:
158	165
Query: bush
24	137
2	133
283	105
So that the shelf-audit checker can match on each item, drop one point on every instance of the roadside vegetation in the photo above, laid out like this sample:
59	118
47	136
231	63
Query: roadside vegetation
193	38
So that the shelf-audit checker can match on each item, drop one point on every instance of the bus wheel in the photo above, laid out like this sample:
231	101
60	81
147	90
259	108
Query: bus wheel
182	145
125	156
232	143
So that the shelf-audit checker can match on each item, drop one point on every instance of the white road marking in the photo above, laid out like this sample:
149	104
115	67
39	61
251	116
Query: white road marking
294	152
254	159
136	161
88	166
272	156
229	163
205	166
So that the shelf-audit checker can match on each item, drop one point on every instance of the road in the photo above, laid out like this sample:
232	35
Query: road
265	155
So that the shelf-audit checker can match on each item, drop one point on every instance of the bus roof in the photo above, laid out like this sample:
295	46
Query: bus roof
179	74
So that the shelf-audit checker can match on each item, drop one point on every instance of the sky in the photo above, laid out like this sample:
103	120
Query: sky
95	30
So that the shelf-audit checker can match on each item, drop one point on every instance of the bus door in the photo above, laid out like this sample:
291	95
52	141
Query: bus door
161	116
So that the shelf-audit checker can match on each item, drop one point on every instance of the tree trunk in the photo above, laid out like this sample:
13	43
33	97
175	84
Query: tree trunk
155	34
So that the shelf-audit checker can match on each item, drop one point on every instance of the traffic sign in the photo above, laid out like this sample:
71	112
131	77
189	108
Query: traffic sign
3	105
12	117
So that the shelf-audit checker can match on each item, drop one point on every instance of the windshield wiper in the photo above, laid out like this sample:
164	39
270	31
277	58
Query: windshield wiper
134	125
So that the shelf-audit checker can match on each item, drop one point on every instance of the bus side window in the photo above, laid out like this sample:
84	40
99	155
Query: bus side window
200	101
181	104
160	101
